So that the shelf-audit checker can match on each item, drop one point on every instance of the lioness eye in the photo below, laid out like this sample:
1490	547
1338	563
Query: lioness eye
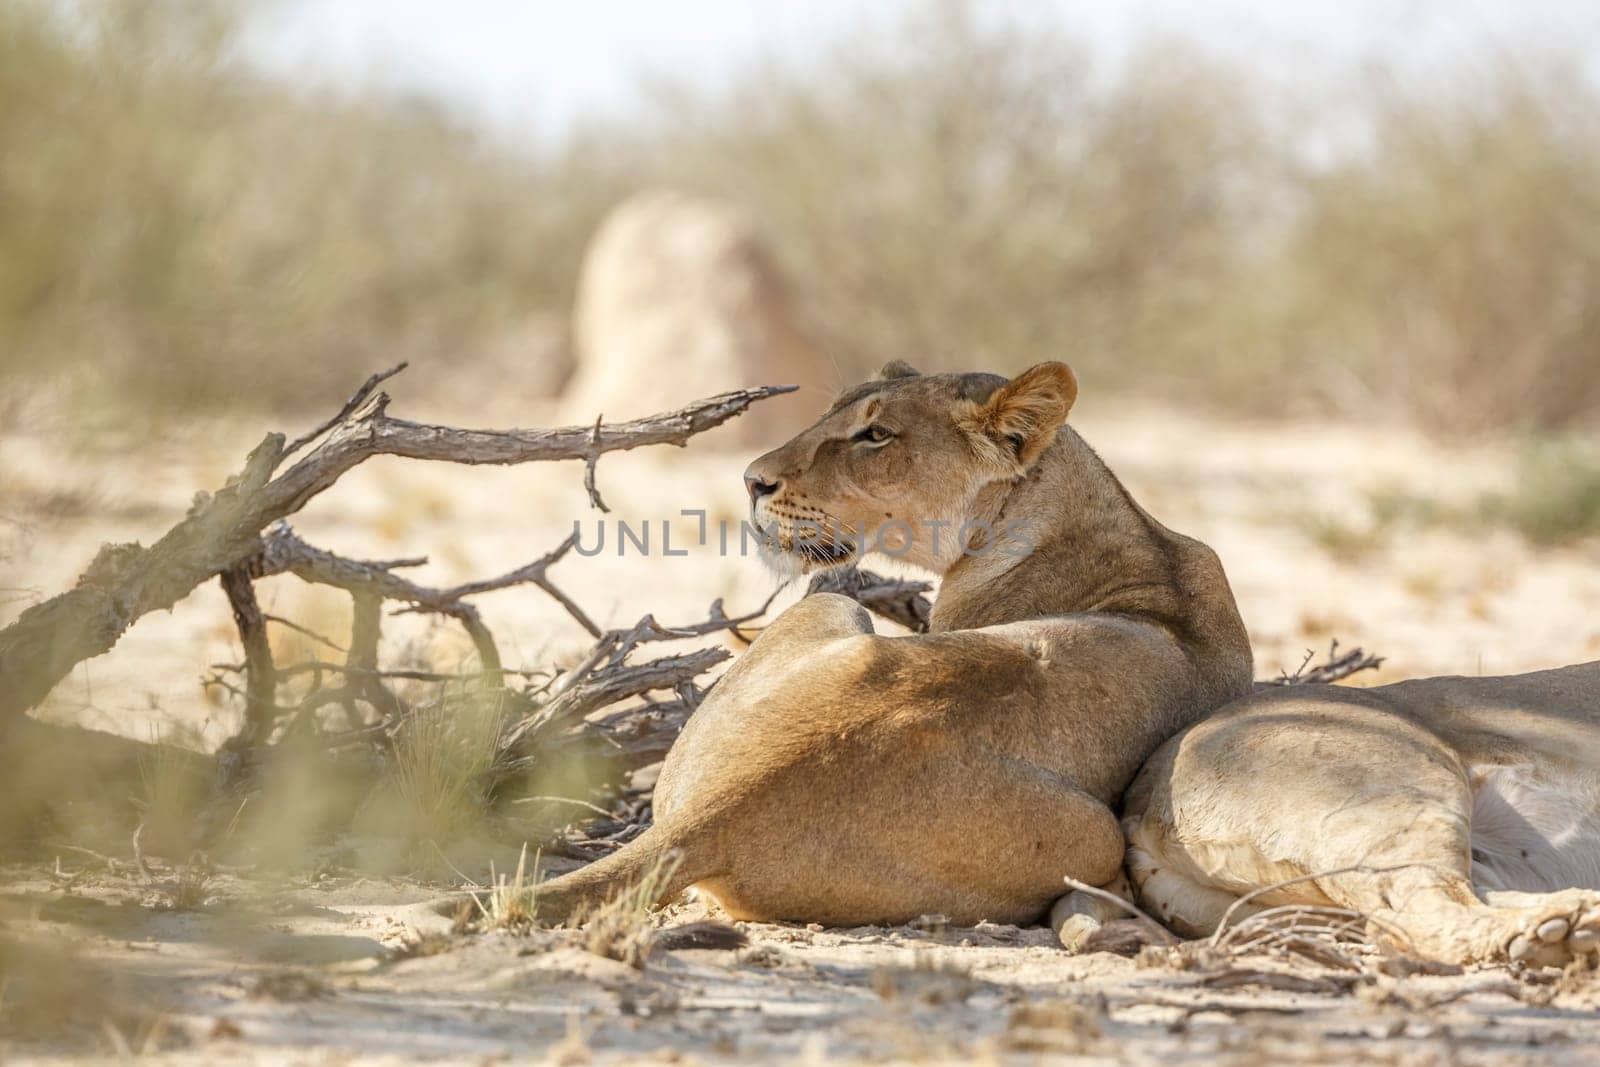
873	434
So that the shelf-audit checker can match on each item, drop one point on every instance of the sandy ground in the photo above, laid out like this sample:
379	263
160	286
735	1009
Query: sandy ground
319	974
303	973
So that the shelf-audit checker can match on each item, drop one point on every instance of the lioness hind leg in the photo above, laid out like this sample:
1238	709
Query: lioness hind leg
1435	913
1332	798
1413	893
1189	905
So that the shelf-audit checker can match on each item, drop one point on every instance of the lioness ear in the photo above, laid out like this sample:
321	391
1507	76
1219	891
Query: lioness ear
1023	415
898	368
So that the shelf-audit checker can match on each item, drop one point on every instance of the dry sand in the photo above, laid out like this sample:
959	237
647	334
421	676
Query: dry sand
310	974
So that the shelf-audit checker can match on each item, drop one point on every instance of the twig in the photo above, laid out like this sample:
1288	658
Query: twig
597	809
1335	669
647	629
588	468
1227	916
221	530
1310	930
1162	933
357	398
113	865
290	624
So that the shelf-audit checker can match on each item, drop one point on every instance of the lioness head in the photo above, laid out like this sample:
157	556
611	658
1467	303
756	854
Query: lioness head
906	465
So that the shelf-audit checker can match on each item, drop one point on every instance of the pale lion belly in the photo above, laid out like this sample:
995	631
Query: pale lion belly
1535	830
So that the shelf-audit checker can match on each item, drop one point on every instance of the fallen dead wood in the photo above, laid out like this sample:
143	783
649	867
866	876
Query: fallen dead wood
222	529
900	601
312	712
1337	667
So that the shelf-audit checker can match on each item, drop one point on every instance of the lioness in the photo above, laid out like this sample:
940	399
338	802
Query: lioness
839	776
1461	815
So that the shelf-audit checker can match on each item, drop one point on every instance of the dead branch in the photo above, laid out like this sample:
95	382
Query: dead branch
903	602
283	551
543	721
261	677
222	530
1337	667
357	398
605	687
1223	929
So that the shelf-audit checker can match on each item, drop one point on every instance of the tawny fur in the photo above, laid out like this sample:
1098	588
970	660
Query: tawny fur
1471	805
840	776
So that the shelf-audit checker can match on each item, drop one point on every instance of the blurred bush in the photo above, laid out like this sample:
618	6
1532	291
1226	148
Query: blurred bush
957	193
181	230
1455	262
966	196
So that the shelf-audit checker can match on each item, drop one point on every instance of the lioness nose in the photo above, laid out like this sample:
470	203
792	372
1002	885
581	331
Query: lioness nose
757	486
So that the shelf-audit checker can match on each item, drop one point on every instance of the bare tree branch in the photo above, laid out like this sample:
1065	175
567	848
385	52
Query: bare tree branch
221	530
261	677
605	687
357	398
588	469
899	601
1337	667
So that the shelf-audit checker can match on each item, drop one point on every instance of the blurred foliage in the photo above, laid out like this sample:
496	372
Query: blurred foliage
181	229
1553	499
174	223
1455	264
1556	495
968	197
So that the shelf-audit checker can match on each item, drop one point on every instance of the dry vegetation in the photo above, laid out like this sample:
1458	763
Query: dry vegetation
955	191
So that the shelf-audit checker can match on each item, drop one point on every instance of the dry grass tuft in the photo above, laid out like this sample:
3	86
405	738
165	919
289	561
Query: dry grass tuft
434	789
1555	496
510	903
930	979
1054	1027
620	929
288	985
187	889
171	795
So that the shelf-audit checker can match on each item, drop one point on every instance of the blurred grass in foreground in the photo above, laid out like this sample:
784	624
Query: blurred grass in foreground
178	230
